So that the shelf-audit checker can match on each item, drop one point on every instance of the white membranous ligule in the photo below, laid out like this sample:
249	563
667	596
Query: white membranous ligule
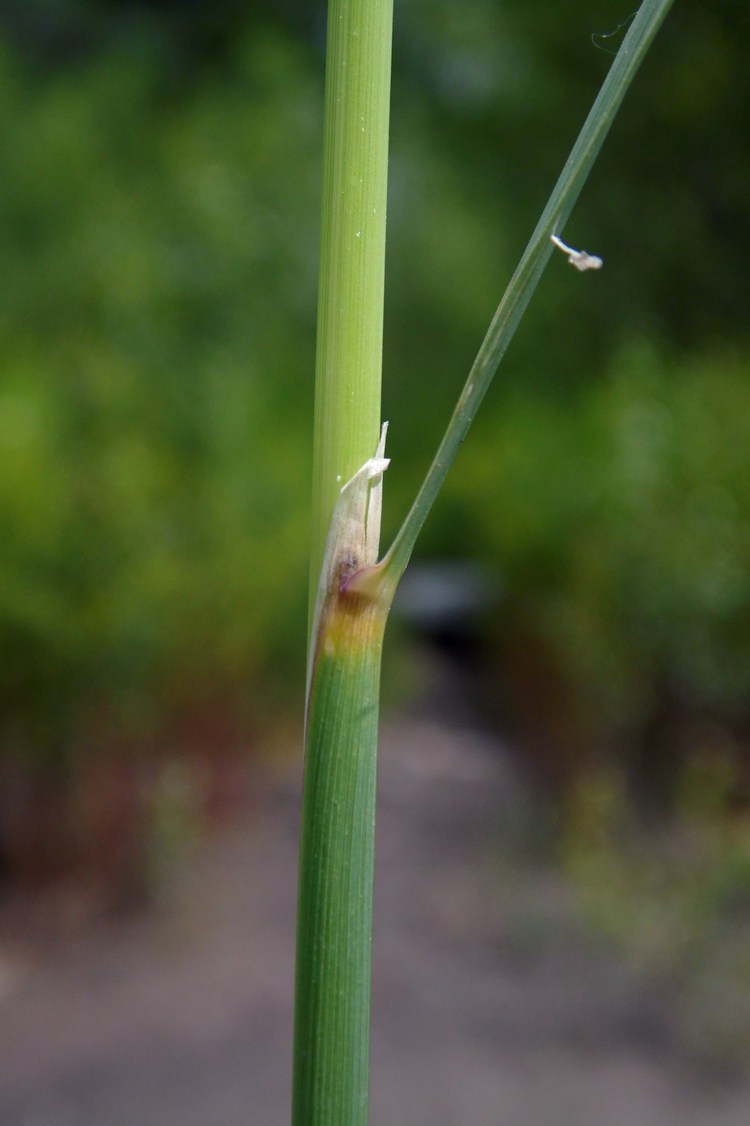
353	536
581	259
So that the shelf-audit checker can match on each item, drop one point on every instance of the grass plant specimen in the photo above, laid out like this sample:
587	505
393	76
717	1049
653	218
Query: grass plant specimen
351	590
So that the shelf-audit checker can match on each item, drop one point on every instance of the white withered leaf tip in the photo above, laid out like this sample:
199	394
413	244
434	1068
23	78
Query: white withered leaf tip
581	259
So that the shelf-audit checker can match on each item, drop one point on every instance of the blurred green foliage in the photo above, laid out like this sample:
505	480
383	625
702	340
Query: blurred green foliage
159	199
160	279
624	531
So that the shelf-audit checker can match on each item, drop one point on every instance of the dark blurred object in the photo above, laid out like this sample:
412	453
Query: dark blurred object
447	599
445	604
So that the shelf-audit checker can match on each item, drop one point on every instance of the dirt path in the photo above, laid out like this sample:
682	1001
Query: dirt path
491	1008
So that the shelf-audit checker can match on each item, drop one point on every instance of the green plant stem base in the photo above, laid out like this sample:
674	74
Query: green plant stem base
336	871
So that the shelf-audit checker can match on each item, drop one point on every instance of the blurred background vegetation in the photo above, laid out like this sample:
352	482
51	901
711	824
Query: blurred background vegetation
159	197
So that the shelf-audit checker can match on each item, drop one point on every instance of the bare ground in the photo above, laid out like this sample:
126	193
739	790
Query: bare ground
492	1004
